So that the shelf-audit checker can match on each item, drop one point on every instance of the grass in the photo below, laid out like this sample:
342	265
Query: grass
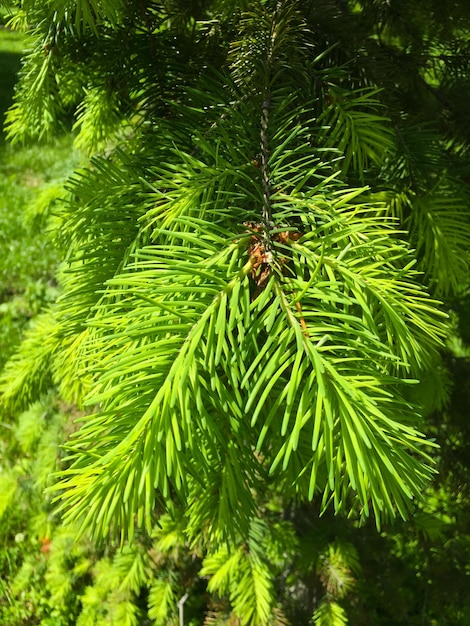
31	177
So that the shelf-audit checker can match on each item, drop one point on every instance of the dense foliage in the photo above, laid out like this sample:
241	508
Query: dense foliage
266	252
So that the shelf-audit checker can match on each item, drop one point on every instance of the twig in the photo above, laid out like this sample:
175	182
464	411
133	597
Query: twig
180	606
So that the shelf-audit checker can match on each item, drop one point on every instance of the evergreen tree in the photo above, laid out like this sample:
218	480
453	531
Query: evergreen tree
276	200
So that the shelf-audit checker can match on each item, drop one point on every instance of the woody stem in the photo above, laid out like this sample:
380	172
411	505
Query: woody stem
265	178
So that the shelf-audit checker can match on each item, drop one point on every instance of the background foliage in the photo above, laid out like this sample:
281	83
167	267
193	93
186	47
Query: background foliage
234	234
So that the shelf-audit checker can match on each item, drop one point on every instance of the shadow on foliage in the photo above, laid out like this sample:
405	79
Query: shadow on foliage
10	63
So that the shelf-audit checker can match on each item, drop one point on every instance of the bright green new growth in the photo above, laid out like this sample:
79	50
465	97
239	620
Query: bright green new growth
222	385
217	372
242	314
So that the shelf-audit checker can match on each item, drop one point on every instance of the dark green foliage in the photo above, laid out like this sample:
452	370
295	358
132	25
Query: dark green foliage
10	63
